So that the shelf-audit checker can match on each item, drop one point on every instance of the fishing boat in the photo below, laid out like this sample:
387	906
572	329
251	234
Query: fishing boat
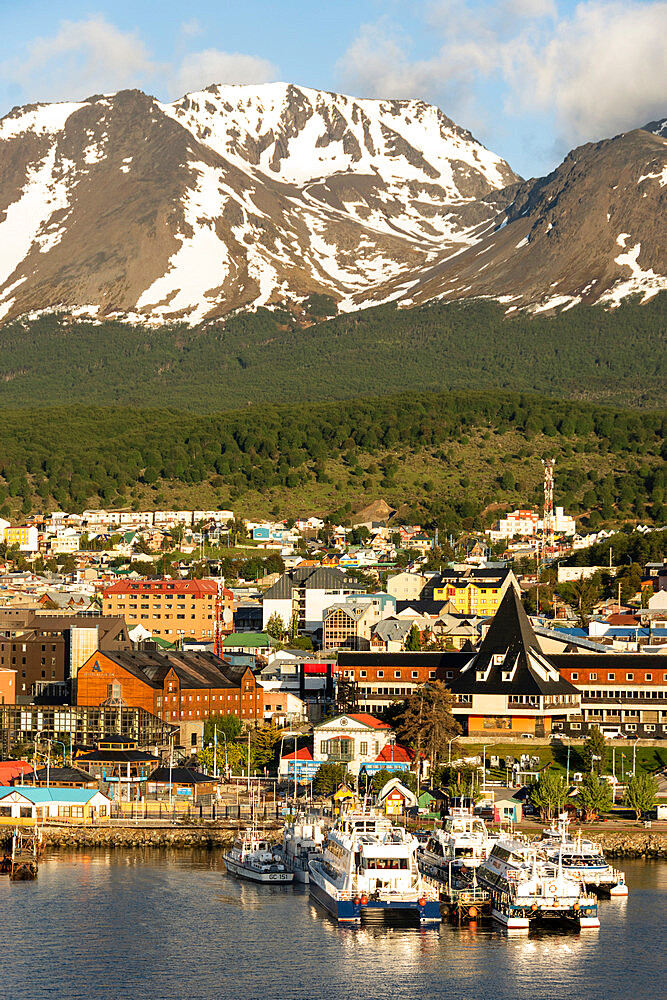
581	858
252	857
369	872
526	889
303	840
451	855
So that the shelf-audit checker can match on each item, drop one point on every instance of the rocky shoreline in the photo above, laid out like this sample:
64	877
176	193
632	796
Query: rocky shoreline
615	843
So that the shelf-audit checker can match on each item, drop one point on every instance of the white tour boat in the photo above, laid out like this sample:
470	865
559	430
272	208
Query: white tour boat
452	854
303	840
369	872
526	889
582	859
252	858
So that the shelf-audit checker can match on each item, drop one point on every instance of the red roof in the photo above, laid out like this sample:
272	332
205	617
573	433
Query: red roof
303	754
396	754
10	769
197	588
617	619
369	720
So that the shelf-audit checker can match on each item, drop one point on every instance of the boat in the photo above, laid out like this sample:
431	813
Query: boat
526	889
369	872
451	855
303	840
252	857
581	858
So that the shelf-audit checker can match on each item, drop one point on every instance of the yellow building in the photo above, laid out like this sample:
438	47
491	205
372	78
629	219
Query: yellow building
475	593
22	537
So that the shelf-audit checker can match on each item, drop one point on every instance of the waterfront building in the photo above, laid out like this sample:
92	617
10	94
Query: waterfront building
171	685
70	805
510	687
355	739
186	783
117	758
380	679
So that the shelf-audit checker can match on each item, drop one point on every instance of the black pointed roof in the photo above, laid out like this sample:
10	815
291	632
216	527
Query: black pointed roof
510	628
509	660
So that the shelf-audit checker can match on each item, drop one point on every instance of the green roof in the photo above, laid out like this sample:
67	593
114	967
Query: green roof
246	639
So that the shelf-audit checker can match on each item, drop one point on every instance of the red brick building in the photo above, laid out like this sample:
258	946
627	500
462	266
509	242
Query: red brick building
175	686
382	678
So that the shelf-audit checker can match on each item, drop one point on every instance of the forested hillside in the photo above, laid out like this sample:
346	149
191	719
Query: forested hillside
615	356
444	457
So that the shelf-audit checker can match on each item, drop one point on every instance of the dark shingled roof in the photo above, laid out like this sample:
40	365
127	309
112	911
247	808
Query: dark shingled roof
194	670
511	646
179	776
310	578
60	774
433	661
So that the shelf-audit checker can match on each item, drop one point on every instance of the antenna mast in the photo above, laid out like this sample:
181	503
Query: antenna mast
548	522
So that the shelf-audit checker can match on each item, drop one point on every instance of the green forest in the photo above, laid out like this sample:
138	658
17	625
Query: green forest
586	353
453	459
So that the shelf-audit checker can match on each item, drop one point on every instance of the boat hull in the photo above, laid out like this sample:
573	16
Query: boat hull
347	911
254	875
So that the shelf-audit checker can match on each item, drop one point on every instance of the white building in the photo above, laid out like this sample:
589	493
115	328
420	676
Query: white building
306	592
353	740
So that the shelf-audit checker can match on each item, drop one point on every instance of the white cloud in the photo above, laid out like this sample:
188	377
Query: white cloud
597	71
200	69
601	71
81	58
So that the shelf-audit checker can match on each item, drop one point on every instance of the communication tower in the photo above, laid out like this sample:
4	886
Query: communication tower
548	522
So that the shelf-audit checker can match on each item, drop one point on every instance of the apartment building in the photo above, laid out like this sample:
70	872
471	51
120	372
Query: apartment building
380	679
472	590
306	592
24	537
172	609
349	625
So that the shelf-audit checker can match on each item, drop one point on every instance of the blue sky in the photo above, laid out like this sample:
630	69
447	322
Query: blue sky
530	78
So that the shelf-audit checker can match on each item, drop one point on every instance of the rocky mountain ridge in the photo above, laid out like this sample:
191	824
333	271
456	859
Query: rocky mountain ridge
234	197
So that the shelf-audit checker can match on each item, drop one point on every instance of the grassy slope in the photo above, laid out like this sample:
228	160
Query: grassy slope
584	353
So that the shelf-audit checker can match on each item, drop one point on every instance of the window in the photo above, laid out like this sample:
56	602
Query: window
363	749
397	673
576	725
415	673
648	677
380	673
362	673
629	677
611	677
431	674
593	676
575	675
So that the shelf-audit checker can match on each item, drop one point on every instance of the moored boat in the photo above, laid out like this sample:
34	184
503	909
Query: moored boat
369	872
303	840
451	855
581	858
527	889
252	858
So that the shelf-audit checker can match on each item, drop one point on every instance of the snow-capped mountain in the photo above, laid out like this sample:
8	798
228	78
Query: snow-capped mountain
237	196
229	197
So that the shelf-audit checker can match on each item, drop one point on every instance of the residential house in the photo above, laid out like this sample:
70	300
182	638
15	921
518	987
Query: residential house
70	805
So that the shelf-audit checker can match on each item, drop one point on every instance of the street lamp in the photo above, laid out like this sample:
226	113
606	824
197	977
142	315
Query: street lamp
449	746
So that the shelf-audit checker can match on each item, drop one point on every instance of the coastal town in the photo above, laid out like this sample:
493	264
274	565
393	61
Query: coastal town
192	663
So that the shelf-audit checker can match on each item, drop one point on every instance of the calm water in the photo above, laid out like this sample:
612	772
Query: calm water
160	925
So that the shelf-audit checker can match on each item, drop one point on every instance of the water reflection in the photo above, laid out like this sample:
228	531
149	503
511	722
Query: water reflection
161	925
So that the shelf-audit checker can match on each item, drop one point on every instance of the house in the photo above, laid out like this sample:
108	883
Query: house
396	798
507	811
60	777
13	769
68	805
186	783
406	586
348	625
354	740
253	643
302	760
509	686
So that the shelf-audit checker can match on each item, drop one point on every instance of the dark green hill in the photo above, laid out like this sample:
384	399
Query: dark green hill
584	353
444	457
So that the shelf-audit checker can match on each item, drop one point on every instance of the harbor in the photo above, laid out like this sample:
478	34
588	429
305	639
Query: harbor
287	947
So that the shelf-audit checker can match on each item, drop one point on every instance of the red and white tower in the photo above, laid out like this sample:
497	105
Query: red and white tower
548	521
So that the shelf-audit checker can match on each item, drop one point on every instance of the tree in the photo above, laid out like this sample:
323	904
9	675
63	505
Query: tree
381	777
582	596
640	793
426	722
413	640
549	793
594	750
230	725
330	777
595	797
275	627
